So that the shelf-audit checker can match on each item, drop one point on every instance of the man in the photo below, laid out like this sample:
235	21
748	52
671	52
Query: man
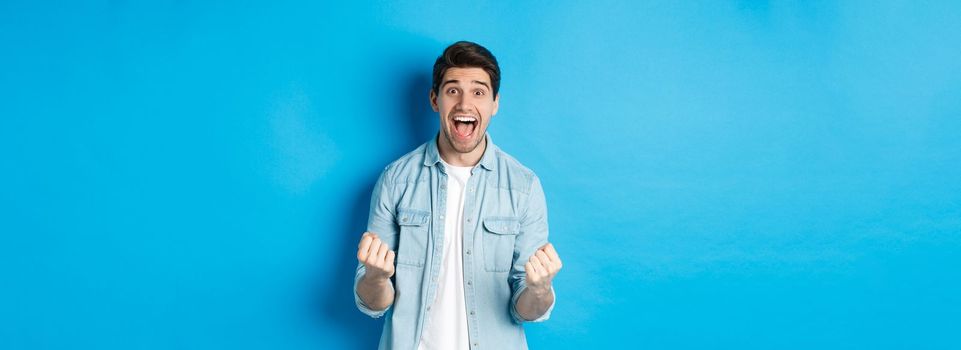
456	252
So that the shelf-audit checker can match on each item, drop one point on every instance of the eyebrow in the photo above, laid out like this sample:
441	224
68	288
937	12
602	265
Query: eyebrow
458	81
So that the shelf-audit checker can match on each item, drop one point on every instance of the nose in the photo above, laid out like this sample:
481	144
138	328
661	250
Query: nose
462	105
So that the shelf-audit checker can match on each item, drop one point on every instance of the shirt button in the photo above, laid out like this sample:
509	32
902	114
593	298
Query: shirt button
472	312
468	220
468	283
443	186
468	252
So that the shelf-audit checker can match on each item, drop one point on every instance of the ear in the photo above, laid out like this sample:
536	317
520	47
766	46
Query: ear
433	101
497	100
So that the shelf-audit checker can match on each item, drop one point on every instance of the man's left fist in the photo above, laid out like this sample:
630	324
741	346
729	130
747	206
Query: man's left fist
542	267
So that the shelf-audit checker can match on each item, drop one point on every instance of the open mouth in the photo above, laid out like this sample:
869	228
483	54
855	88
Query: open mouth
464	126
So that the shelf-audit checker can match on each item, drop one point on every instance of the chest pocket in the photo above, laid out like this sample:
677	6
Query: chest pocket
412	244
499	236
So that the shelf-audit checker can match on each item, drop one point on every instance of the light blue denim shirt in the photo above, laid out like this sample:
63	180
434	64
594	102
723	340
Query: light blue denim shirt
505	222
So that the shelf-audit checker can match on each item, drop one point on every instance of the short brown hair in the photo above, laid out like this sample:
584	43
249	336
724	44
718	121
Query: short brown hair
466	54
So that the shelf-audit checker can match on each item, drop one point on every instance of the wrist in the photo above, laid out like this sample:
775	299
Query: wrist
540	290
376	281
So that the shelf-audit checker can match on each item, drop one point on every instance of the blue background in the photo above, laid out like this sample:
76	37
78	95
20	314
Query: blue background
727	174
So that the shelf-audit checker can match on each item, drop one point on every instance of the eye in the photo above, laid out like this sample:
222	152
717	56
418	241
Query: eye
479	92
451	91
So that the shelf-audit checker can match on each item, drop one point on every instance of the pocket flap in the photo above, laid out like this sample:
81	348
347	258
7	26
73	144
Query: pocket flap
503	225
412	217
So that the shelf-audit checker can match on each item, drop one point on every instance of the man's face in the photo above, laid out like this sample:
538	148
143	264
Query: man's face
466	104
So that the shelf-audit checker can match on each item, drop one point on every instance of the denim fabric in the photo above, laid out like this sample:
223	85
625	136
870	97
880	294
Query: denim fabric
505	222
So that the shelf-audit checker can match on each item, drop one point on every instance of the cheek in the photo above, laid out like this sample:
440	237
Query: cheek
488	113
445	107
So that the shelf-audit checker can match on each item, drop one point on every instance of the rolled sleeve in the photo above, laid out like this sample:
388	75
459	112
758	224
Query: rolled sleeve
381	222
361	305
533	235
517	317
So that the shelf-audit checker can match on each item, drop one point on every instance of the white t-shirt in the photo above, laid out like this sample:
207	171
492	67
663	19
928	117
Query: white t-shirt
446	325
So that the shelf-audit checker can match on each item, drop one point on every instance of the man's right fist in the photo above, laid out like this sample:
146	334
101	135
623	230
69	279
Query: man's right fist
376	256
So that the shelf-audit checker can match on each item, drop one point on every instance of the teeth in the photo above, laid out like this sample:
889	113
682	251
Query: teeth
465	119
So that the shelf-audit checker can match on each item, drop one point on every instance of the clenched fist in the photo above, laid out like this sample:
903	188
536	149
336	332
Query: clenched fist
376	257
541	268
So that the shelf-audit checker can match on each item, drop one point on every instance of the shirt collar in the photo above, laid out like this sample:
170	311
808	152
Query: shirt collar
432	154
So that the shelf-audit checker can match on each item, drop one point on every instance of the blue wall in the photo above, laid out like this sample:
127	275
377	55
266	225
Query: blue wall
727	174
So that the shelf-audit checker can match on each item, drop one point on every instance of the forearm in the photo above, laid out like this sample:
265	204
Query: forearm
377	293
534	302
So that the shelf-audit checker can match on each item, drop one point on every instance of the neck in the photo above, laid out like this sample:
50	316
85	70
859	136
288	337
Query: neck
452	157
